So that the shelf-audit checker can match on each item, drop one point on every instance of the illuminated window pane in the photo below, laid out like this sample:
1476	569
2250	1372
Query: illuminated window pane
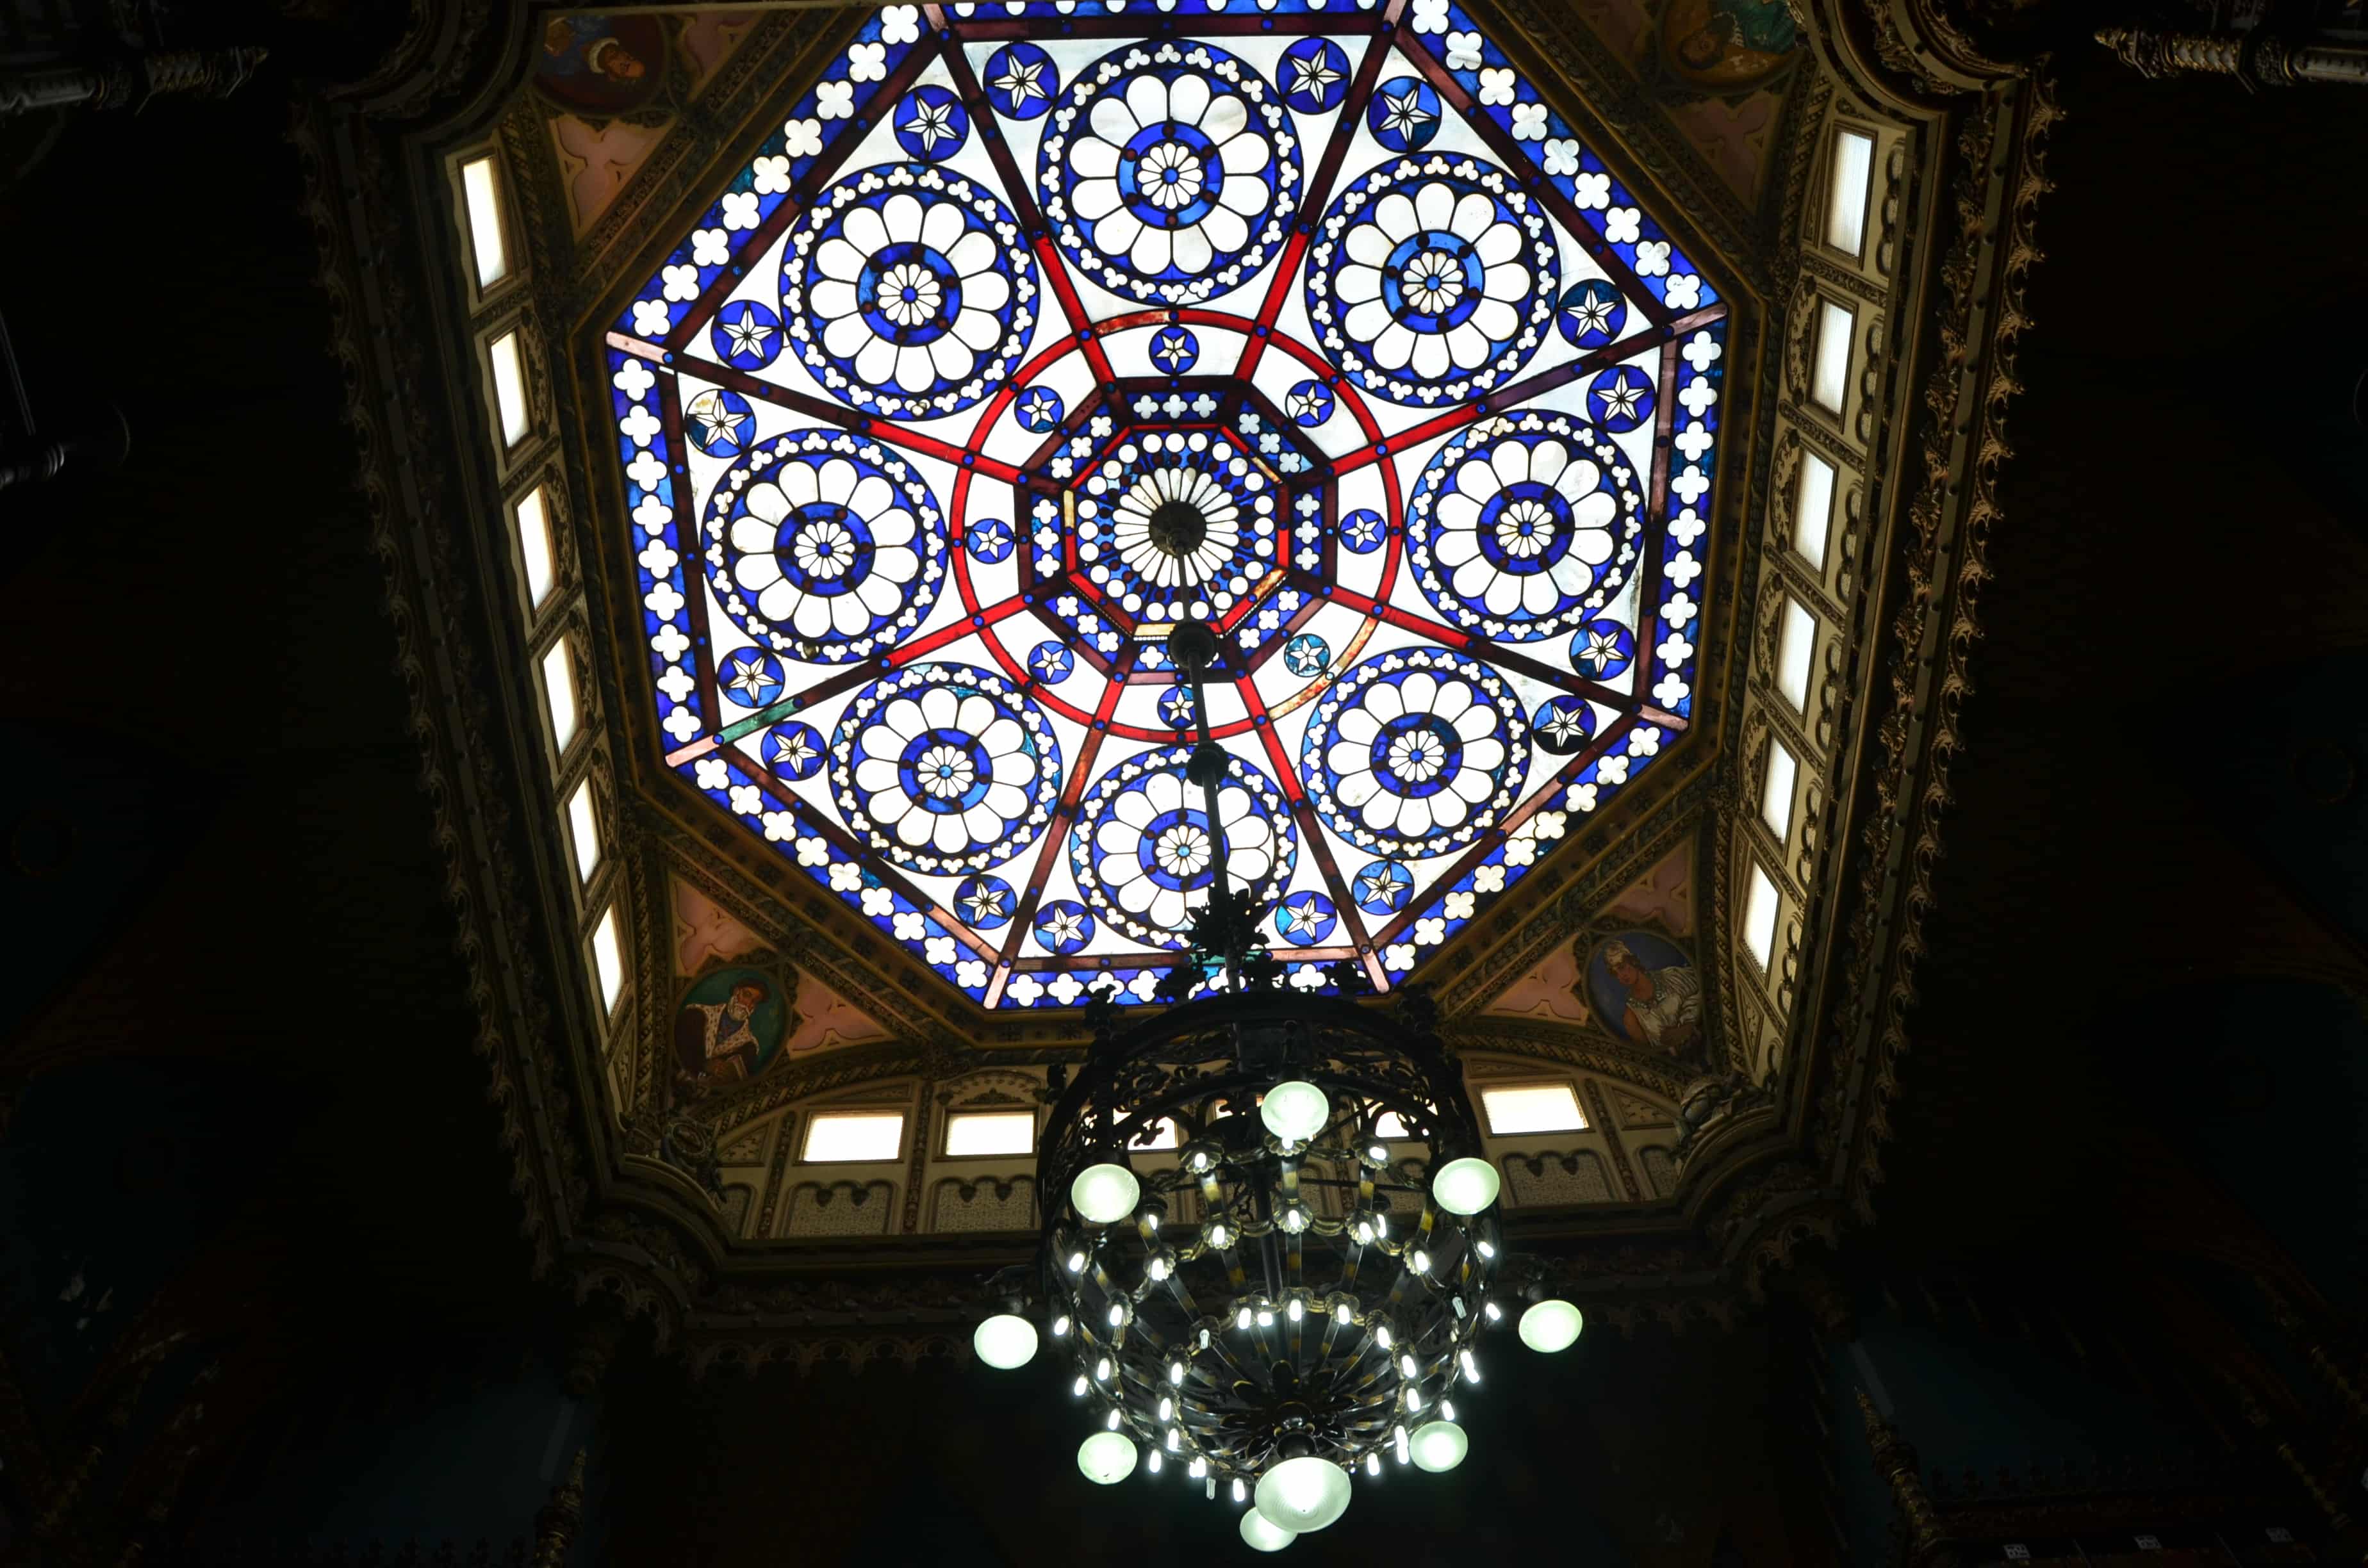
479	186
1795	639
1539	1107
1812	508
559	686
1390	1124
608	959
1760	908
1001	1132
584	827
1846	193
855	1135
534	546
509	388
1776	800
1829	380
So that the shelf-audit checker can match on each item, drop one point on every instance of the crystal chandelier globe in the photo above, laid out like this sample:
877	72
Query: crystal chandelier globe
1270	1234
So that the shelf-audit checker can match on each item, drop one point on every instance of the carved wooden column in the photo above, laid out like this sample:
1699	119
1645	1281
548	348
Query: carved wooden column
555	1526
2255	60
1896	1461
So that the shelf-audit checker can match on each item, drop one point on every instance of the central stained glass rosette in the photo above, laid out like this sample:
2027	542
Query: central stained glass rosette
1039	330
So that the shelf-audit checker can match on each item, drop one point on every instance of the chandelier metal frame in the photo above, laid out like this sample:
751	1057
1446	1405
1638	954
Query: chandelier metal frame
1267	1300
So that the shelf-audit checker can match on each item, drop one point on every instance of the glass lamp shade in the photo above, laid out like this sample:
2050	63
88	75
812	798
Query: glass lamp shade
1464	1187
1262	1534
1438	1444
1107	1458
1104	1194
1005	1341
1550	1326
1294	1111
1303	1495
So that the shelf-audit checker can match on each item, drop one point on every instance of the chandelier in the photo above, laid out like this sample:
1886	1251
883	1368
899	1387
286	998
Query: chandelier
1270	1246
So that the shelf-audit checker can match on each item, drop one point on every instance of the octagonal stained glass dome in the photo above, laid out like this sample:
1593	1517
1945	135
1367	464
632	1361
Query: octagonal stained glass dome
1039	329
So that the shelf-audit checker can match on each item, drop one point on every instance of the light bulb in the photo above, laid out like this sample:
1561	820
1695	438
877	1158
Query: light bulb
1487	1249
1106	1458
1104	1194
1406	1364
1199	1159
1378	1154
1005	1341
1242	1318
1200	1467
1464	1187
1365	1232
1076	1263
1117	1316
1262	1534
1241	1491
1421	1261
1493	1309
1439	1445
1381	1335
1342	1313
1176	1372
1447	1410
1413	1396
1060	1326
1294	1111
1471	1366
1398	1438
1294	1219
1219	1236
1151	1220
1167	1407
1111	1422
1102	1371
1380	1224
1151	1461
1158	1269
1458	1305
1264	1318
1079	1387
1298	1309
1303	1493
1373	1463
1551	1326
1175	1439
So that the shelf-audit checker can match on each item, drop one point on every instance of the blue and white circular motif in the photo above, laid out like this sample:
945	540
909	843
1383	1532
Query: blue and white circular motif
1521	528
1142	851
1361	531
824	546
1306	655
1064	926
1021	81
908	291
1416	751
1564	724
746	335
1039	409
1175	707
1591	314
793	750
750	677
930	123
1403	115
1602	649
1238	548
1309	403
1304	918
1621	399
989	539
1433	279
1051	663
719	423
1382	887
1173	349
1169	179
985	901
1314	76
946	769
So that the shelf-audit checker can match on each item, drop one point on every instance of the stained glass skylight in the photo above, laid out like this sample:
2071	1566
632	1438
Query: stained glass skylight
1039	329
